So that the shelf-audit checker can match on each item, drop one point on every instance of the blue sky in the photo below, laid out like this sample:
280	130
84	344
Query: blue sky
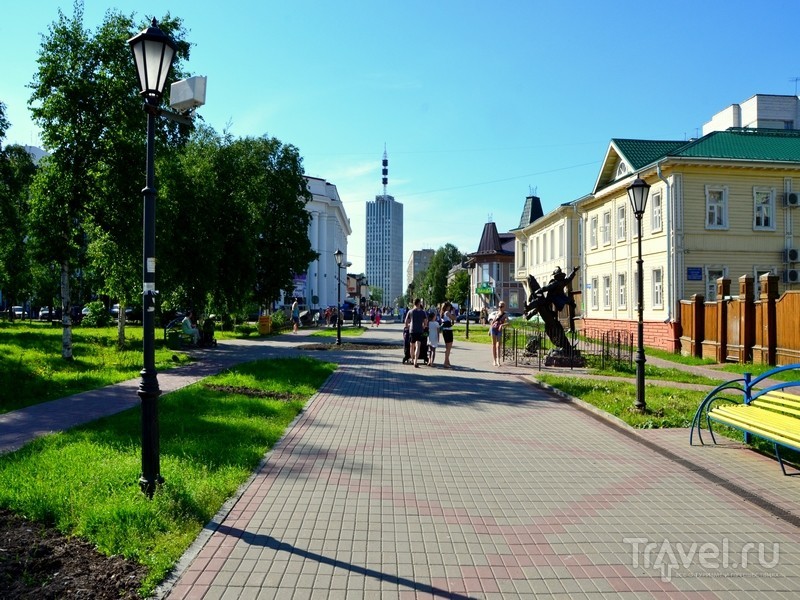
478	103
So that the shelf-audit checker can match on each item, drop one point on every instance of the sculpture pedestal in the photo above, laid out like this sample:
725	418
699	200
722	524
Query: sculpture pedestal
556	358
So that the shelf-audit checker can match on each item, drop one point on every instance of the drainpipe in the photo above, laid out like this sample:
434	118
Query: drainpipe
668	223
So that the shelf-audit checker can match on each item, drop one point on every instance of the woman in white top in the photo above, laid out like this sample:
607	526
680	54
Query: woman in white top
433	337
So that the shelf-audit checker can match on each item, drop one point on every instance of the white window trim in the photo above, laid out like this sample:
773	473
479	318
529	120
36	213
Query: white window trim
706	277
724	190
771	192
622	235
622	290
607	291
654	227
606	228
660	282
595	295
593	228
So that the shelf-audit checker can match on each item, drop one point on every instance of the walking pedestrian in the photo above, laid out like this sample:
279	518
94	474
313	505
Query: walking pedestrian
295	315
416	320
496	331
447	331
433	337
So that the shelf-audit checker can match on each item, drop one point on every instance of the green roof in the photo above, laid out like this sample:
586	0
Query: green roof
640	153
745	144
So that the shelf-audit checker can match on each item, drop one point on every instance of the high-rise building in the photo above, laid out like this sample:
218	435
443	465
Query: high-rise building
384	245
417	263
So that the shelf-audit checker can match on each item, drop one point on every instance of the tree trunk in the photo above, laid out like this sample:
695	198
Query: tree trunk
66	313
121	317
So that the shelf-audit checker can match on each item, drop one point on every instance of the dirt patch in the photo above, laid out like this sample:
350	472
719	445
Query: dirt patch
246	391
37	562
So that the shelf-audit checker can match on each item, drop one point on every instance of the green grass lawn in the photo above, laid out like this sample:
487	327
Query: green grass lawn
32	370
666	407
213	435
330	332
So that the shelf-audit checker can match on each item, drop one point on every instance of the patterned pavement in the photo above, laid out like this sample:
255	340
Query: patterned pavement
398	482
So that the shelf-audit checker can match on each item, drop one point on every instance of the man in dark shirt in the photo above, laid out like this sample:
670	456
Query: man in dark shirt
417	320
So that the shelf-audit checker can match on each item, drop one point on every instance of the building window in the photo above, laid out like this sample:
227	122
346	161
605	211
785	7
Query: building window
593	232
623	300
511	271
536	255
764	209
513	299
716	207
757	273
552	245
622	232
712	274
607	291
655	212
544	247
658	289
606	229
595	293
523	255
622	169
561	240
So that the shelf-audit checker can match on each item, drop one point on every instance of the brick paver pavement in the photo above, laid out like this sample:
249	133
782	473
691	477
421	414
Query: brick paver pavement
398	482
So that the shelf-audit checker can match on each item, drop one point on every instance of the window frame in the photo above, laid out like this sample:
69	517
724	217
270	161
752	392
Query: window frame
657	212
606	228
622	223
723	204
622	292
593	232
761	191
657	285
607	291
595	295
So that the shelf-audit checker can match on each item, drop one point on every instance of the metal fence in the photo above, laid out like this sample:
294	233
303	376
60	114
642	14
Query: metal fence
528	344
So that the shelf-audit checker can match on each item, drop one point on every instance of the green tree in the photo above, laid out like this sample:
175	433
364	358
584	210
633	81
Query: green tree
458	288
16	172
84	100
376	294
434	283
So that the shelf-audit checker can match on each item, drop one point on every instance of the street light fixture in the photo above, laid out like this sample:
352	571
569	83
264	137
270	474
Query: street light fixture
637	193
338	255
153	52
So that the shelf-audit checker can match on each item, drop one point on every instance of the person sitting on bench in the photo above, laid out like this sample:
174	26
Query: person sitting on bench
188	327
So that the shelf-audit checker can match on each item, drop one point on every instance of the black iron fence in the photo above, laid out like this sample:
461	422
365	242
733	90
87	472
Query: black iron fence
528	344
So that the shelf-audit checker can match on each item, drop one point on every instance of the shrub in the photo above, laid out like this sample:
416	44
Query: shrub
278	318
245	329
98	315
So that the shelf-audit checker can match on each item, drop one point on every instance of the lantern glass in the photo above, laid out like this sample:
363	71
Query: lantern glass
338	255
153	53
637	192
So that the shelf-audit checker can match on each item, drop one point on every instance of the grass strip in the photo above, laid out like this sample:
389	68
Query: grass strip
330	332
85	481
32	370
666	407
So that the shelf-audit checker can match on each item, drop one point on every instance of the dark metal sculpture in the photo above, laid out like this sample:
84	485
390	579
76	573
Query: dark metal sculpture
547	302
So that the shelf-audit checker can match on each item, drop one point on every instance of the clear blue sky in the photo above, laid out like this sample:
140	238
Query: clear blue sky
477	102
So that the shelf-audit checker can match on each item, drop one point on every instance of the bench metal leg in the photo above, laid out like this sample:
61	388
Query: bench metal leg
781	463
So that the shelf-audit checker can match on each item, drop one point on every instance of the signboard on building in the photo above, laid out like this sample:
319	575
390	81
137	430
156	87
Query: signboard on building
694	273
484	288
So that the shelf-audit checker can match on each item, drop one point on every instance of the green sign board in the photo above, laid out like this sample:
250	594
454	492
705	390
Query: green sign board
483	288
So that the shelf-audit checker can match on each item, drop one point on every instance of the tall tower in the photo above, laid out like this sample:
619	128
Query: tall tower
384	251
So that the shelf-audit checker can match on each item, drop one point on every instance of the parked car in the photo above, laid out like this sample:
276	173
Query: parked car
132	313
19	312
474	316
46	315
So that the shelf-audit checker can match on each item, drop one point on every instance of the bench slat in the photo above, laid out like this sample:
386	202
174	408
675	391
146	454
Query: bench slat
780	428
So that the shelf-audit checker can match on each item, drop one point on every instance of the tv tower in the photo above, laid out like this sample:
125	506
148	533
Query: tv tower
385	169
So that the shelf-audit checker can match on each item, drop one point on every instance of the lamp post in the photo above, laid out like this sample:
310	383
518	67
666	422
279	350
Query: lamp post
469	297
637	193
153	52
338	255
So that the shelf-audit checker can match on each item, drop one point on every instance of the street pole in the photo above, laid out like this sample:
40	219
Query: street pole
339	306
148	387
640	404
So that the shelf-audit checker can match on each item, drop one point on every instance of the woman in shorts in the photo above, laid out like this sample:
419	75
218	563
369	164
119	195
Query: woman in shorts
496	331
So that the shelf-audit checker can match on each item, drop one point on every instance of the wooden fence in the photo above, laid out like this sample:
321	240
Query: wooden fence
740	328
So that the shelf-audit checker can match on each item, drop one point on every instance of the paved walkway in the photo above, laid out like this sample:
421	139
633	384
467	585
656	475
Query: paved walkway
398	482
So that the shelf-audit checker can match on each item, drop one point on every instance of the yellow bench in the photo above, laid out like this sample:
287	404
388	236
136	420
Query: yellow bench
772	414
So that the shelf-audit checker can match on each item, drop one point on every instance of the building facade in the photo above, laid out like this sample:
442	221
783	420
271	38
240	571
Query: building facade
492	272
418	261
327	233
384	248
724	205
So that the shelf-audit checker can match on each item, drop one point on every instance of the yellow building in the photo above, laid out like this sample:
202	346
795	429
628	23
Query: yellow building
725	204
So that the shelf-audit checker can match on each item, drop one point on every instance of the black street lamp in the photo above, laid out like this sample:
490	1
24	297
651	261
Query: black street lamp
338	255
637	193
153	53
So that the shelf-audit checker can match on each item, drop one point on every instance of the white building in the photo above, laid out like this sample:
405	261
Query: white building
327	233
384	247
